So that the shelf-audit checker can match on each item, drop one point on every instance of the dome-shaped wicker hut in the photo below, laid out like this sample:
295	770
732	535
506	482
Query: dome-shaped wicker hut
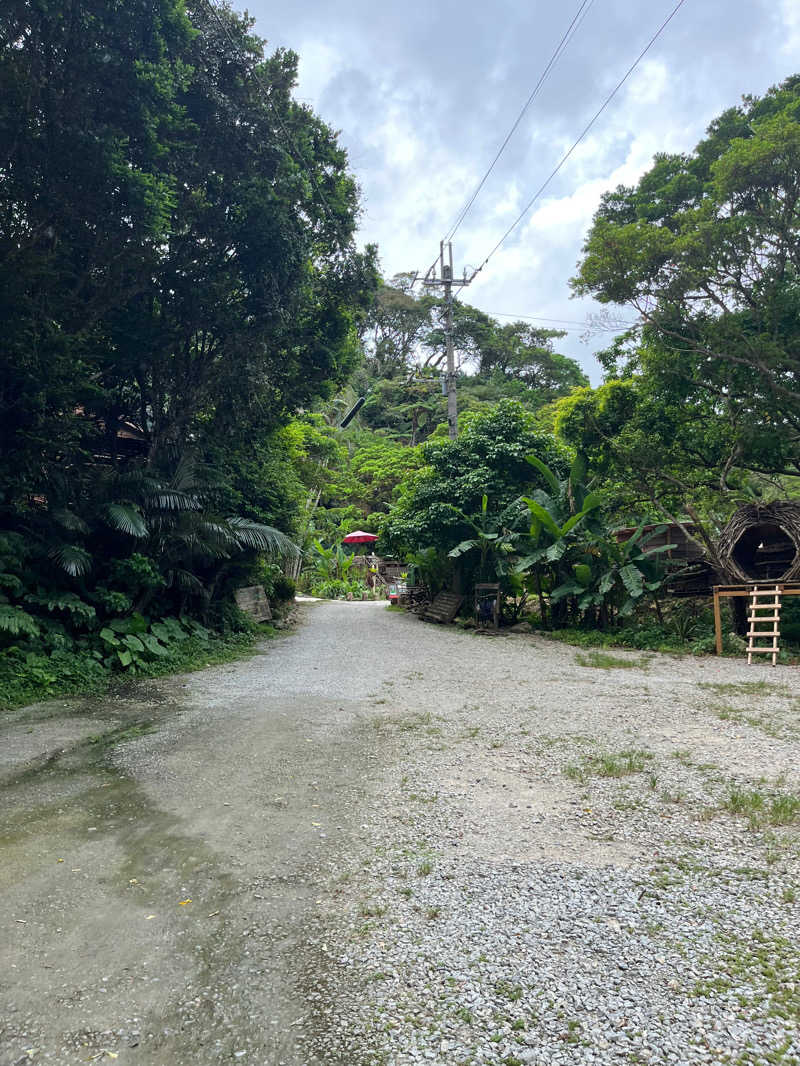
762	543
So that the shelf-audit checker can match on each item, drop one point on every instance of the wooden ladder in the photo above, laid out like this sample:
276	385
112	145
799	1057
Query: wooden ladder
761	600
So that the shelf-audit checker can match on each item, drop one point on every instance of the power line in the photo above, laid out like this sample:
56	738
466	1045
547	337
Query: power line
594	119
580	14
565	321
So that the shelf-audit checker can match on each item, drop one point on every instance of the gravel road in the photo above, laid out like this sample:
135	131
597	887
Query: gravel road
382	842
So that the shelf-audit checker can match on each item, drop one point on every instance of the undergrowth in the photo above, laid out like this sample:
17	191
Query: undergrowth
26	677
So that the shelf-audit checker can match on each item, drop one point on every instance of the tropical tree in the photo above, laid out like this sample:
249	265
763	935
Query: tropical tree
614	576
488	458
705	249
178	274
560	517
494	540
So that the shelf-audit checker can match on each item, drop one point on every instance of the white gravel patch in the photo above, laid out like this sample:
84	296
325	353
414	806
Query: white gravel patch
514	904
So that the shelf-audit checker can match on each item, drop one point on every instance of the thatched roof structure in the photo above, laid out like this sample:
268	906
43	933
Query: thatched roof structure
761	543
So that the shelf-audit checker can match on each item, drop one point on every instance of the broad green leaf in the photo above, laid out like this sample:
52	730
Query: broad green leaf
606	583
153	646
543	517
633	580
462	548
572	522
546	473
569	588
583	573
555	551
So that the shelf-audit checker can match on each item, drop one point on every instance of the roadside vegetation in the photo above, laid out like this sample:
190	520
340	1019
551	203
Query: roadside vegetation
187	318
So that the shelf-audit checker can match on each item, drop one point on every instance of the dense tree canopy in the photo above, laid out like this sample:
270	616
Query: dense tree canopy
707	249
404	344
177	232
177	276
488	458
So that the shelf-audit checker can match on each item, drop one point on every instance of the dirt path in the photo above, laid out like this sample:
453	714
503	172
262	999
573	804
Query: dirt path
187	872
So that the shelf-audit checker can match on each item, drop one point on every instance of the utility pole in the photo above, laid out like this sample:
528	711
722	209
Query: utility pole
446	281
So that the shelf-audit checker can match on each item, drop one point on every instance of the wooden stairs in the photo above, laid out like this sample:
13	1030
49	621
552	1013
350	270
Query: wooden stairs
764	600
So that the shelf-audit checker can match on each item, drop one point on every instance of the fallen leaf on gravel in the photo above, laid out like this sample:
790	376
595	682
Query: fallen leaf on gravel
183	902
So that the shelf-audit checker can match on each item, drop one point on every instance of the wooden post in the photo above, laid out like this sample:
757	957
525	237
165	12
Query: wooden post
717	621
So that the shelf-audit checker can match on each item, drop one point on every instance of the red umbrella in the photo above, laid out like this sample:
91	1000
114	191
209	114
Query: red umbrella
360	537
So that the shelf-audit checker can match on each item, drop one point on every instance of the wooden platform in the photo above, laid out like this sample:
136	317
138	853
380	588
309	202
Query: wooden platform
444	608
781	589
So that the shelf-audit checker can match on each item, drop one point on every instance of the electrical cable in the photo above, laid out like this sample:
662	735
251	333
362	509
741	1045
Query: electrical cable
571	30
563	321
580	14
587	128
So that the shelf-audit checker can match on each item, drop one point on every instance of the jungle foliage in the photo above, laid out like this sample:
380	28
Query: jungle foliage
178	276
702	404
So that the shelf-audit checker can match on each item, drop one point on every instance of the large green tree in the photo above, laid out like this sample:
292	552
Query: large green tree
176	261
488	458
89	101
706	248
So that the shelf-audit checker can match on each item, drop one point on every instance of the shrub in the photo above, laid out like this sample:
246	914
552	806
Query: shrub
283	589
338	589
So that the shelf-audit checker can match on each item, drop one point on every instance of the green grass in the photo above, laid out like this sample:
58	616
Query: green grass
757	974
370	909
509	991
745	688
608	764
603	661
761	808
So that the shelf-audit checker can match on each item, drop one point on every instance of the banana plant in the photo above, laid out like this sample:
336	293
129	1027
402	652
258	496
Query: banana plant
495	538
558	526
620	573
330	564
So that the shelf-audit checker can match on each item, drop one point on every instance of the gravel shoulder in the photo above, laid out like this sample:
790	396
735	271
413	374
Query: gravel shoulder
380	841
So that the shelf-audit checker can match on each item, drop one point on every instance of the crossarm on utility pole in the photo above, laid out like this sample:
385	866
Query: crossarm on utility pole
447	282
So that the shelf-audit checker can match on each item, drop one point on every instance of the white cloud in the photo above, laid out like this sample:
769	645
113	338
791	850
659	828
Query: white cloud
423	101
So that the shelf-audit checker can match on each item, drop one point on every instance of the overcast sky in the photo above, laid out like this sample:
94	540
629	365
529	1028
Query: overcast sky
424	94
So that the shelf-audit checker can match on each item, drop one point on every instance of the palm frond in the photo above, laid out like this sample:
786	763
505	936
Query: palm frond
69	520
188	582
251	534
14	620
126	519
74	560
169	499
